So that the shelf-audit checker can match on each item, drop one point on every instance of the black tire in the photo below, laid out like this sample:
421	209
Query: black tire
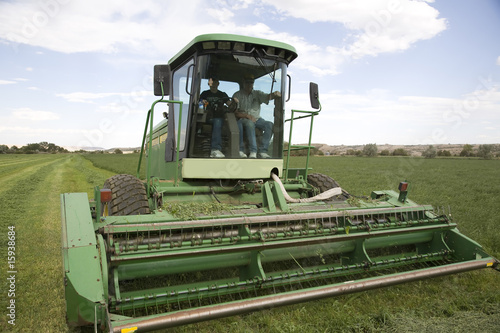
324	183
128	196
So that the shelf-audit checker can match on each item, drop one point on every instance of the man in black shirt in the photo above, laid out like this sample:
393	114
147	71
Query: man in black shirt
214	101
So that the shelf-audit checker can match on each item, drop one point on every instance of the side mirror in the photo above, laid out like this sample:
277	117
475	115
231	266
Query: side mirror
161	75
314	95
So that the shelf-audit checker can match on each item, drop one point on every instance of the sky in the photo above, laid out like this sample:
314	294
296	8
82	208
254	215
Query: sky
79	73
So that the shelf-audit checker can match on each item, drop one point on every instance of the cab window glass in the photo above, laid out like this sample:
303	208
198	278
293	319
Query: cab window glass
180	82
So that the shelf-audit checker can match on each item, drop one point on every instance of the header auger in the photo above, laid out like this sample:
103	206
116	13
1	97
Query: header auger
209	235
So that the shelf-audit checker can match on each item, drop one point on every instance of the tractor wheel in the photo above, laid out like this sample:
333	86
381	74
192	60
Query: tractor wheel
324	183
128	196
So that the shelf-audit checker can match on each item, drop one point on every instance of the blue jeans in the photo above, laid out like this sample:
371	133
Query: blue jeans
216	143
249	126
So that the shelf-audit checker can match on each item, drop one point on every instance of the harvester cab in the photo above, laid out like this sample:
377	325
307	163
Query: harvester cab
214	232
212	138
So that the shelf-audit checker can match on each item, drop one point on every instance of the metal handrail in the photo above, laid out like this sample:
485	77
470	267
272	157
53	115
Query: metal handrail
310	114
149	120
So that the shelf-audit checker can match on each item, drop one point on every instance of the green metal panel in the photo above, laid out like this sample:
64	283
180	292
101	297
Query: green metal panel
82	268
78	227
200	168
466	248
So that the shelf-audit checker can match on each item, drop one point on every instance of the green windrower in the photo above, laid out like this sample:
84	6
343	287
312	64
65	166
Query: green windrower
211	233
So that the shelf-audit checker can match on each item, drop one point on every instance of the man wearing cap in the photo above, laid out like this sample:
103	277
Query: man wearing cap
214	99
249	118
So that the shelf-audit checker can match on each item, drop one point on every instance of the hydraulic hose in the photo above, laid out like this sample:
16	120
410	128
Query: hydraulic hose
322	196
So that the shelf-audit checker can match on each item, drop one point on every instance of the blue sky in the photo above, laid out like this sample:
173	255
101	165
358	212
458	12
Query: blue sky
78	73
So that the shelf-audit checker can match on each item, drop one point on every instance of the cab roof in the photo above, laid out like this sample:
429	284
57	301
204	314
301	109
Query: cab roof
228	43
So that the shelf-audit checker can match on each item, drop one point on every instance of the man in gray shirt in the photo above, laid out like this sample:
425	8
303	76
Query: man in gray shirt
249	118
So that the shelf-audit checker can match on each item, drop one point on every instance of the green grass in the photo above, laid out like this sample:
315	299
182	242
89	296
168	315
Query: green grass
29	200
118	163
467	302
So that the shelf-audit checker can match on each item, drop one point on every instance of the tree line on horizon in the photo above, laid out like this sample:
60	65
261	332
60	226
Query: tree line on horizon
486	151
33	148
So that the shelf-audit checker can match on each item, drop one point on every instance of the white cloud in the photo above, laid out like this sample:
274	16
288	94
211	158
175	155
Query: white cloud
94	26
21	135
84	97
16	80
376	26
88	97
380	116
220	14
498	61
373	26
120	108
34	115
